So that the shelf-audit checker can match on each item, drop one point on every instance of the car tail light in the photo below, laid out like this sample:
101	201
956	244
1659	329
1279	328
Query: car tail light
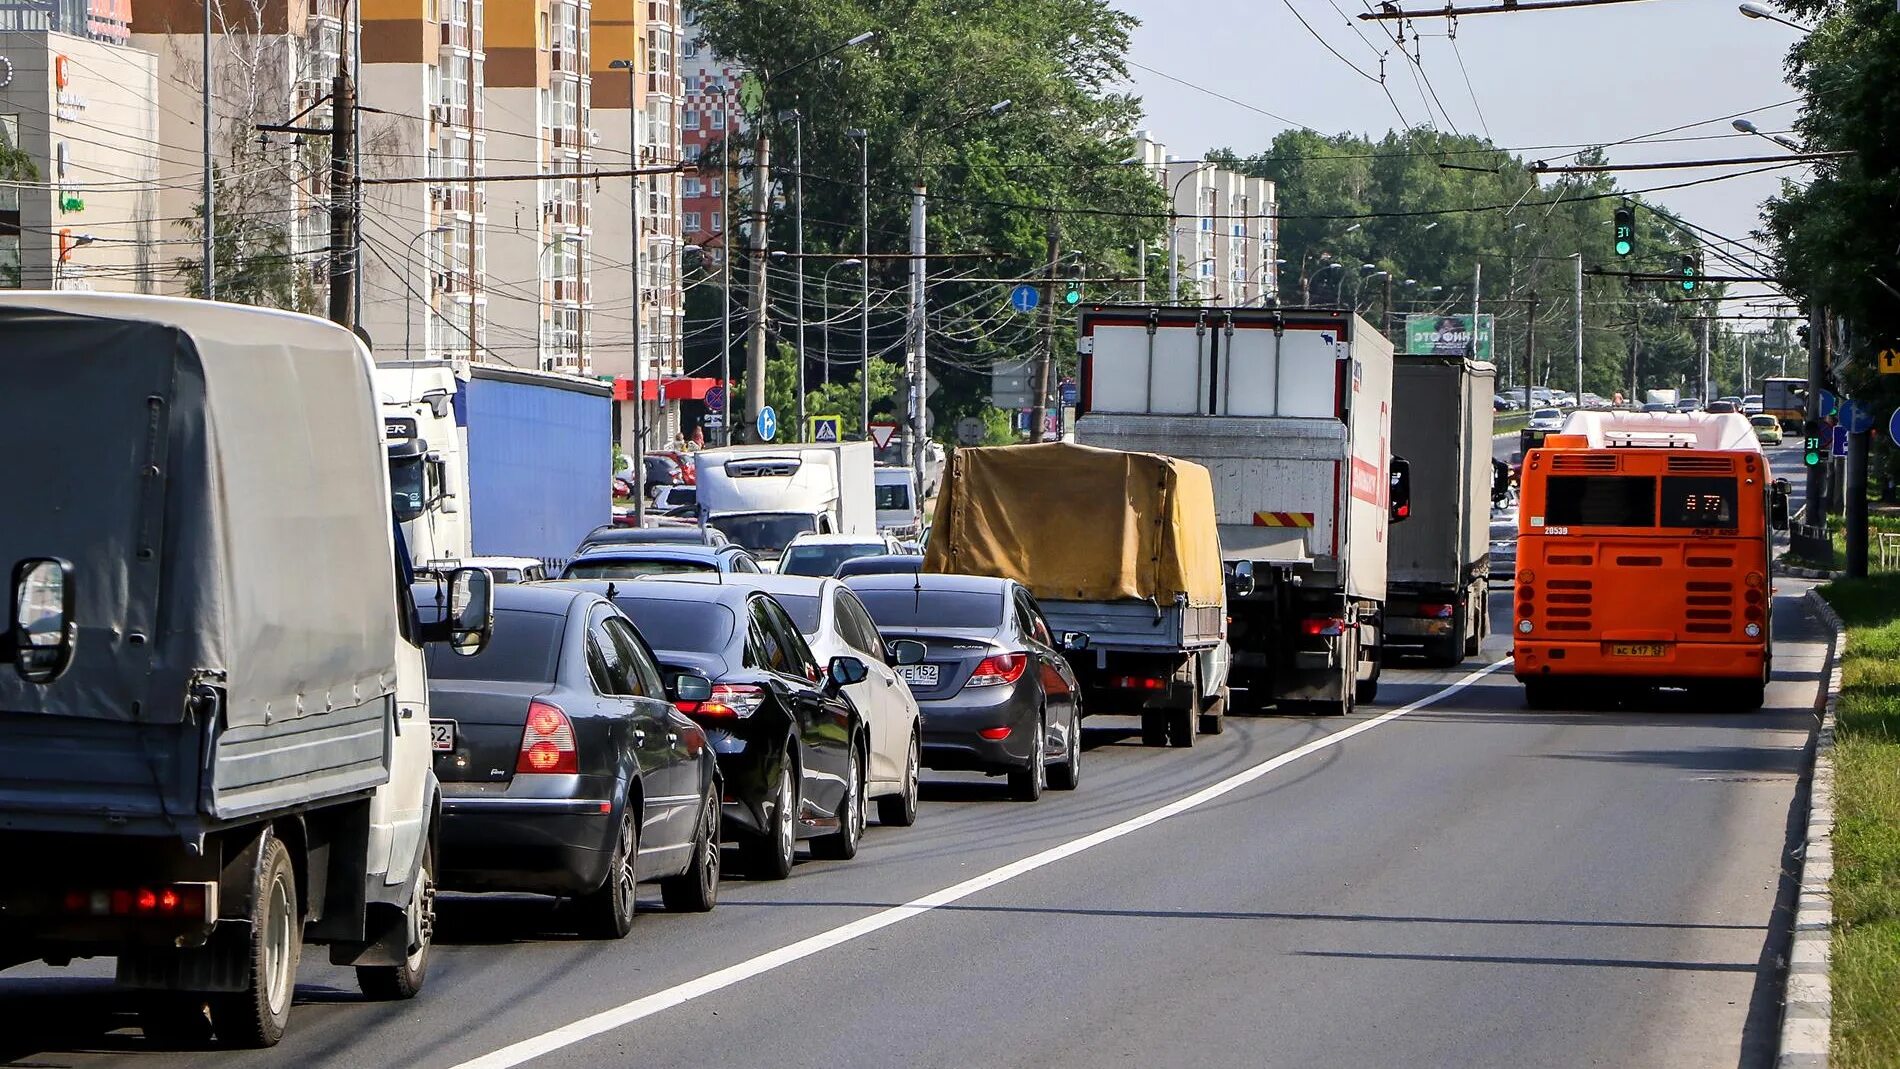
1438	612
994	734
547	742
178	901
729	701
999	669
1139	683
1322	626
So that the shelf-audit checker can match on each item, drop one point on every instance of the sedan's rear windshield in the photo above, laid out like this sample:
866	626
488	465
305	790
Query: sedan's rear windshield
624	568
933	608
683	626
823	559
524	649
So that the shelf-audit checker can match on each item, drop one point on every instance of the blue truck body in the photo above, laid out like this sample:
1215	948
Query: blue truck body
540	460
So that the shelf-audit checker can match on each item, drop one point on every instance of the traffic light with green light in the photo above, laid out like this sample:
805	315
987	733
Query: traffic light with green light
1625	230
1812	447
1073	295
1689	273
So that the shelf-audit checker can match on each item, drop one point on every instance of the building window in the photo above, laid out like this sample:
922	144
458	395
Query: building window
692	222
718	224
689	119
691	153
718	187
689	49
692	188
717	117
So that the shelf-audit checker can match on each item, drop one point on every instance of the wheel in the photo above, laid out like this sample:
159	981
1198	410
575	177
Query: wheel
900	810
842	845
1067	776
257	1015
1214	714
1154	729
1737	697
1539	694
1366	691
393	983
769	856
175	1020
1445	651
607	911
697	889
1181	725
1025	784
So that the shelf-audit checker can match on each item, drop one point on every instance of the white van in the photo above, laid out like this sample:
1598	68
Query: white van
899	513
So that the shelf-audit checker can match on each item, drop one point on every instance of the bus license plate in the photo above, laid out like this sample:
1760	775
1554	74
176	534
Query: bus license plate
1636	649
442	735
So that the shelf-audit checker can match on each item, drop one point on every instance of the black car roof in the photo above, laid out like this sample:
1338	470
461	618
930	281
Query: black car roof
882	564
969	584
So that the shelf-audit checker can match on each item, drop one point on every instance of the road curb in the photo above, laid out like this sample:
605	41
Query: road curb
1808	1002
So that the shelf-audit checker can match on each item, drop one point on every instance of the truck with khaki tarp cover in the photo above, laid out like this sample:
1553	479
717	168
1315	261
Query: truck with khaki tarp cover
1118	546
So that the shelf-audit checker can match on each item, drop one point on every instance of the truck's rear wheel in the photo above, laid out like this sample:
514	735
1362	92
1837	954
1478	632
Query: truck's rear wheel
1214	714
258	1015
1154	728
1181	727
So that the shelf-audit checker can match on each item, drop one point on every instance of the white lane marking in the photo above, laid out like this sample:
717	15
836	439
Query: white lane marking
627	1013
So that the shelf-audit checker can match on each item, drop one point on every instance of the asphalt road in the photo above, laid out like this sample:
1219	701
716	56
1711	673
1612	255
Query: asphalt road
1467	883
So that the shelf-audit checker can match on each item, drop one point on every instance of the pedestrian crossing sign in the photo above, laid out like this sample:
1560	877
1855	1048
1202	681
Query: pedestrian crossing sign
827	429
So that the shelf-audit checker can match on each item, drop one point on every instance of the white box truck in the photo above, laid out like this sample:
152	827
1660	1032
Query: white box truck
1291	411
763	496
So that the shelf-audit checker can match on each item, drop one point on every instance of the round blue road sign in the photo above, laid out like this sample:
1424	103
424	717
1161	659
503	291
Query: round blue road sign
716	398
1857	416
1893	425
1025	298
1829	403
768	424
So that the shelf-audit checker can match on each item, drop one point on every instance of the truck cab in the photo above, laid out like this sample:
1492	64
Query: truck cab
427	474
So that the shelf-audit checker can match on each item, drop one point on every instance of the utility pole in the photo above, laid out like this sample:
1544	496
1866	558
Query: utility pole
1054	248
914	451
725	264
864	280
1386	326
343	264
1579	327
756	246
1702	354
1746	381
798	246
1530	349
208	272
1477	281
1854	502
1817	378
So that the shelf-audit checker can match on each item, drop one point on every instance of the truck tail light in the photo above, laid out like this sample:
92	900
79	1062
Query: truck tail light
547	741
999	669
729	701
1322	626
176	901
1438	612
1138	683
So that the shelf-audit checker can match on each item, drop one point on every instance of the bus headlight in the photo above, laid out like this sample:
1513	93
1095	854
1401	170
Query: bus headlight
1752	630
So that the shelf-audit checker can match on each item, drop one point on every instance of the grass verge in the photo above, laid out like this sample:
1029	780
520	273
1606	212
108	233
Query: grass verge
1865	972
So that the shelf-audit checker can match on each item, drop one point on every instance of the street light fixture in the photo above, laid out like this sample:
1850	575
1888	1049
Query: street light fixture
409	289
1747	127
633	267
1758	11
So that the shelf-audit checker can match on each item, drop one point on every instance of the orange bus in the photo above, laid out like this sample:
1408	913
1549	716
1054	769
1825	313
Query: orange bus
1643	559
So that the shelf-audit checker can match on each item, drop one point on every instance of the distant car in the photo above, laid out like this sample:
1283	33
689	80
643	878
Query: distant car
680	558
997	694
822	554
617	535
1751	405
1546	419
836	624
899	511
503	569
1767	429
1733	400
1721	408
888	564
1689	404
1658	406
686	472
792	748
1501	403
565	767
677	500
663	470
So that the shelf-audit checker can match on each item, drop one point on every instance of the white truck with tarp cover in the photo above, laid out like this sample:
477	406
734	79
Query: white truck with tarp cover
217	741
1291	412
763	496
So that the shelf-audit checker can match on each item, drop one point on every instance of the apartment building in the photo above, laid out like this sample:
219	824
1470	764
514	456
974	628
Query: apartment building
79	109
1222	234
711	111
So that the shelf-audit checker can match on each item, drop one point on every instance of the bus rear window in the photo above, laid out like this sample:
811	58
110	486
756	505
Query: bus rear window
1698	501
1600	501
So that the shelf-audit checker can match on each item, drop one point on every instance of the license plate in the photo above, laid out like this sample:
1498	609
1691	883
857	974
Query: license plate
442	735
918	675
1636	649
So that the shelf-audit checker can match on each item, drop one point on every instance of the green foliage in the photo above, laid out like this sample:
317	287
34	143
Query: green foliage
255	264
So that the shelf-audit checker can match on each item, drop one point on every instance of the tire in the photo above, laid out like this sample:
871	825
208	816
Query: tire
175	1020
842	845
1445	651
257	1016
1067	776
395	983
1214	714
1181	727
900	810
1154	729
770	856
1366	691
697	889
1539	695
607	911
1025	784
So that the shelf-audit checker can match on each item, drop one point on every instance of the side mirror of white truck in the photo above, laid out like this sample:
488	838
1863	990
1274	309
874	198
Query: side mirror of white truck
43	633
470	617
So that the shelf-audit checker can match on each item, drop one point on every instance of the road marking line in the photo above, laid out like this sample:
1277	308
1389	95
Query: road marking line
627	1013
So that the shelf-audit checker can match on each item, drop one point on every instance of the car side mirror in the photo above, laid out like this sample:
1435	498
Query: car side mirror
470	620
43	633
1400	503
907	651
1240	580
846	671
1074	641
1778	504
687	687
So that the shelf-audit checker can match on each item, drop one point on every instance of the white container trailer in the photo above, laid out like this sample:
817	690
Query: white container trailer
1291	411
763	496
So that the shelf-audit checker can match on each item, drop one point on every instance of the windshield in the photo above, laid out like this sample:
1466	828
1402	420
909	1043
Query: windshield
702	627
933	608
523	649
893	496
1766	421
824	560
803	609
766	532
406	487
634	568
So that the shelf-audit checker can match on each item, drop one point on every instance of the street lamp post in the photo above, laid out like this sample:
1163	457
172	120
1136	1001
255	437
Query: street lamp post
409	289
798	247
863	138
633	267
1174	232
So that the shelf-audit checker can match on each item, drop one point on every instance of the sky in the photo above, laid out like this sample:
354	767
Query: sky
1541	78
